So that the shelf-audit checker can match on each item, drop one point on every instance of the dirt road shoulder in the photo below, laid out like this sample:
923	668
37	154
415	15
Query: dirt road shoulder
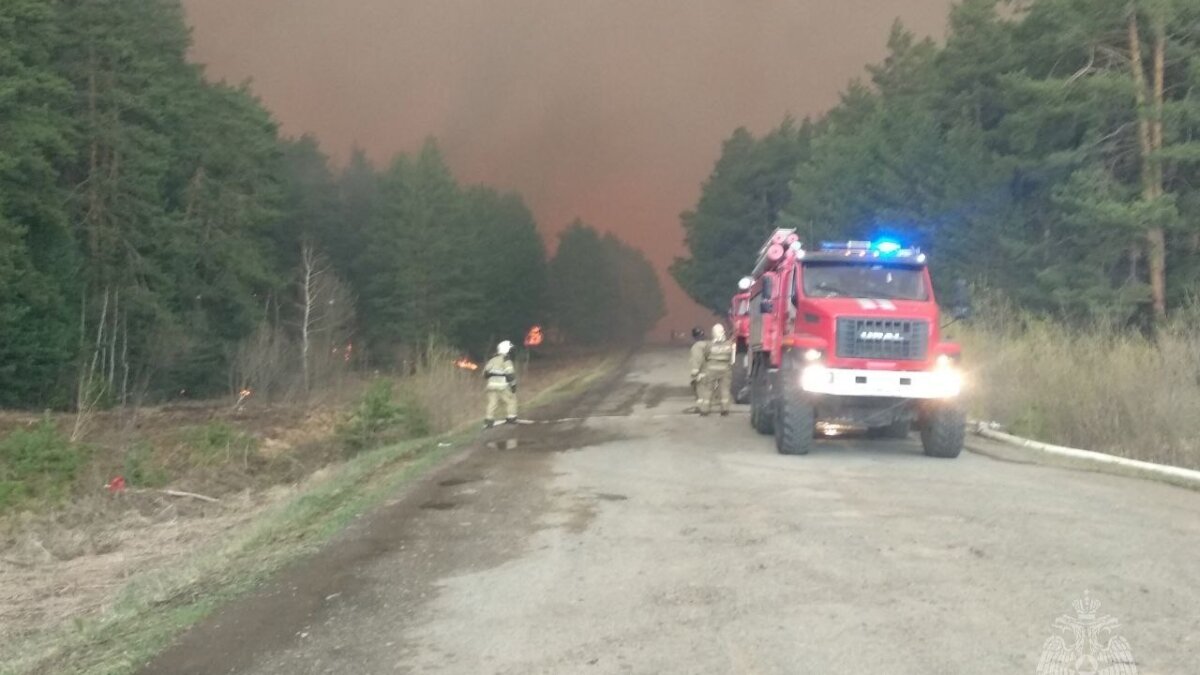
153	608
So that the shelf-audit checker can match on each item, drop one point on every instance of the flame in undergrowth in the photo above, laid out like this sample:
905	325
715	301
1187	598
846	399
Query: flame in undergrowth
466	364
243	395
346	353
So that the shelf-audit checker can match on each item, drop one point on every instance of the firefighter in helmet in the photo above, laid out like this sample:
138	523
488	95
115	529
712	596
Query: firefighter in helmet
718	368
696	365
501	385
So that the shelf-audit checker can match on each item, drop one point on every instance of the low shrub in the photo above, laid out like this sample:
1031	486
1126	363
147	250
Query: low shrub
379	419
37	463
141	469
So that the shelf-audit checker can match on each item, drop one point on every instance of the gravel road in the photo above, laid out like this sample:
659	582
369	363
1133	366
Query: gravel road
643	540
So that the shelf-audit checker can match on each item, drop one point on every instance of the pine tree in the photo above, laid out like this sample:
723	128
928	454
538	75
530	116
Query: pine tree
740	204
1049	154
600	289
36	254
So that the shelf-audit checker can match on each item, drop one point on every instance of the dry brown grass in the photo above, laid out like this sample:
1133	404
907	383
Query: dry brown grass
451	396
1099	388
72	561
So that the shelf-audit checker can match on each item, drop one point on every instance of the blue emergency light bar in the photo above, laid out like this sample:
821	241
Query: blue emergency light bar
883	248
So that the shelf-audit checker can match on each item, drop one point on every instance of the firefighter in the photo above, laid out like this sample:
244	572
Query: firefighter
696	364
718	368
501	385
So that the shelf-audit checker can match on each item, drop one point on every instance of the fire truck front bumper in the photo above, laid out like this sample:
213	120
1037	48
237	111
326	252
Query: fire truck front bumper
941	383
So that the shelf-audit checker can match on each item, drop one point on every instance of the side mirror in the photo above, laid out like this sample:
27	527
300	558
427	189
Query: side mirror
766	307
960	306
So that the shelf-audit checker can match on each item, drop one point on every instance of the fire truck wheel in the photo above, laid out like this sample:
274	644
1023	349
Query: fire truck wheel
764	421
761	416
794	426
943	431
741	393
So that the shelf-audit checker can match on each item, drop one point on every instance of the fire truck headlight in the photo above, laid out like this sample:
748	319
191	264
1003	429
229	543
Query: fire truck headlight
814	377
945	361
949	381
813	355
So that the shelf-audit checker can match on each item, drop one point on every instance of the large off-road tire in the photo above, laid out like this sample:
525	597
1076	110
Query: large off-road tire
943	430
795	423
740	380
762	416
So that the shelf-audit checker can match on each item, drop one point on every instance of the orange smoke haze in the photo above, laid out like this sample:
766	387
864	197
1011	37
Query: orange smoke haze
609	110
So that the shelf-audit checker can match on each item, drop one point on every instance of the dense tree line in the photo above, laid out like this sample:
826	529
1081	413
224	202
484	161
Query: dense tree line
157	234
601	290
740	205
1050	150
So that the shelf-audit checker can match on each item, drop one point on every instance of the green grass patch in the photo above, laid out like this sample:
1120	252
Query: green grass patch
37	464
218	443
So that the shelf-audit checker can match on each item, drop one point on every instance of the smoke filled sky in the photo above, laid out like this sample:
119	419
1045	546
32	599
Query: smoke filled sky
609	110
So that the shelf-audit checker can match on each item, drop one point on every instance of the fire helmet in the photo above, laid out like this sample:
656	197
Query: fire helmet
718	332
697	333
504	348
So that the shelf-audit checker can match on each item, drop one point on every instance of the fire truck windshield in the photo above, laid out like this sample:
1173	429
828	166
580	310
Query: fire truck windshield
852	279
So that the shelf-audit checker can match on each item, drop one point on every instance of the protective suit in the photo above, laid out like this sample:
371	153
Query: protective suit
501	385
696	365
718	372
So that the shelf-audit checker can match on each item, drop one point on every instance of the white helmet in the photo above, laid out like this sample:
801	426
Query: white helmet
504	348
718	332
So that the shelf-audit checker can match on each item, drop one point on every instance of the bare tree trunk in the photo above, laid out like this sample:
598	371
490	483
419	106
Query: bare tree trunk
1157	237
326	308
1139	92
98	346
86	395
111	380
306	324
1150	141
124	361
82	355
1156	120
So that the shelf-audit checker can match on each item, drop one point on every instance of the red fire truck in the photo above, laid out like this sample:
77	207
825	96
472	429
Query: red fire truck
847	337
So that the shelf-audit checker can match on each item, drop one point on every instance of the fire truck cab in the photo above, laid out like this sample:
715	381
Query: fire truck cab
847	337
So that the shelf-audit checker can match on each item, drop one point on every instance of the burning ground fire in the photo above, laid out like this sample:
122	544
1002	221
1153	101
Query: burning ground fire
466	364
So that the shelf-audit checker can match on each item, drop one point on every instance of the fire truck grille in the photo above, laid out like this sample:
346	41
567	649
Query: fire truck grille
900	339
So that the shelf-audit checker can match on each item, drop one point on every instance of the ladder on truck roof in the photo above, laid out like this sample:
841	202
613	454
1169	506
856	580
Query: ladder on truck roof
775	248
